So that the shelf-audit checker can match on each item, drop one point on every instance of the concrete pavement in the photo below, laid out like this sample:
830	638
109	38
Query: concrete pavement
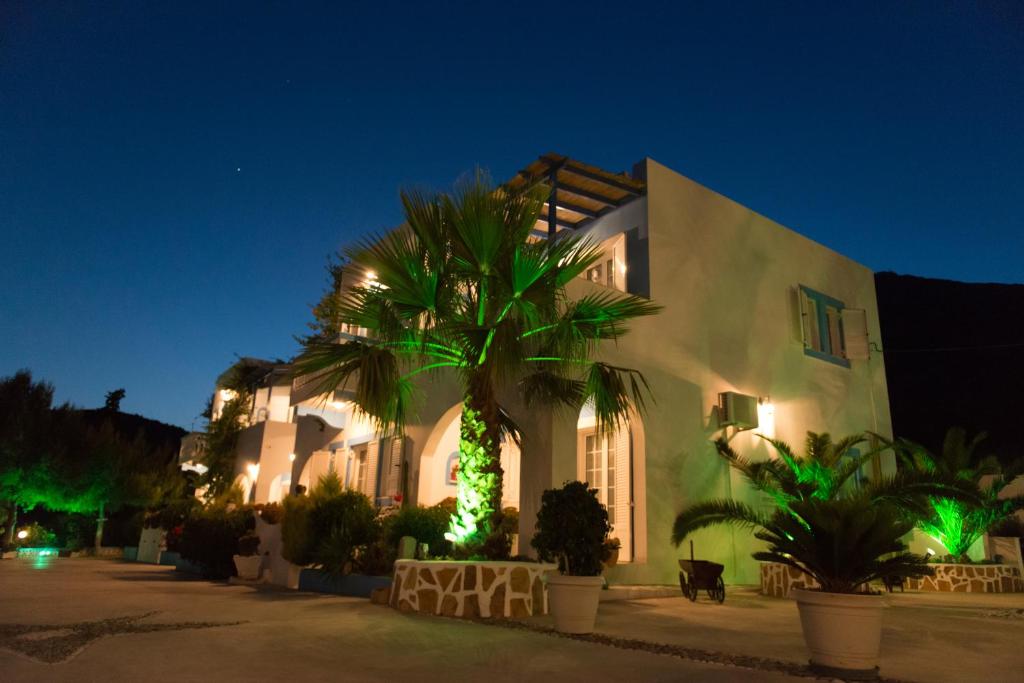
285	636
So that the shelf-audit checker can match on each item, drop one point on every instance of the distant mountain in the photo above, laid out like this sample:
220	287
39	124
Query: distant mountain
954	356
159	434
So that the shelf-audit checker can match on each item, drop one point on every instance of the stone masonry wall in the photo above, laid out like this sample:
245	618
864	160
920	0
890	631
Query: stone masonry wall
470	589
778	579
971	578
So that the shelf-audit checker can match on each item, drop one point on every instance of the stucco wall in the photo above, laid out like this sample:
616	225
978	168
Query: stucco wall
726	278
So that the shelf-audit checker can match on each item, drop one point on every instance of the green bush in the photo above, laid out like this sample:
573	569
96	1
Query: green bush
296	534
572	527
341	524
209	539
38	537
425	524
331	528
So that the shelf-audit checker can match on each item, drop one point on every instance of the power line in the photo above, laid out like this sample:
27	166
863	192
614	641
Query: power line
944	349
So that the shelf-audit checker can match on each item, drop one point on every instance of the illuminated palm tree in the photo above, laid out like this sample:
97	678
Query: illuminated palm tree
462	288
957	524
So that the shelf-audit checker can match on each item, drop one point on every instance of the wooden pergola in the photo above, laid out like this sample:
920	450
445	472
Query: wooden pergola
580	193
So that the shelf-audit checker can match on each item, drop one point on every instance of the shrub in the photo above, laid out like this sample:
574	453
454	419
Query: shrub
572	526
341	524
296	534
425	524
331	528
38	537
210	537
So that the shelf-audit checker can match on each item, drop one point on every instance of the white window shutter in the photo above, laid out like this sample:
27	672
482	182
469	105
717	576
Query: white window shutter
372	461
855	333
391	477
622	524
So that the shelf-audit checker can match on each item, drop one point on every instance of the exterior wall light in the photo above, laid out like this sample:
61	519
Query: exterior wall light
291	457
22	535
253	469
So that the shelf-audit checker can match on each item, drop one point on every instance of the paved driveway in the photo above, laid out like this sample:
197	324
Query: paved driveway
941	637
189	635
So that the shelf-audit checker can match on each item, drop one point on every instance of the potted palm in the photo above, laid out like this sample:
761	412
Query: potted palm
844	544
842	533
572	528
248	559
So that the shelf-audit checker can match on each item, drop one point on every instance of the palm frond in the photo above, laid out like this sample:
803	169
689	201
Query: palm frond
546	387
614	391
714	512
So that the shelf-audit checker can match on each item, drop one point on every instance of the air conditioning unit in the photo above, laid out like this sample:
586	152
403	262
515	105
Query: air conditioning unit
737	410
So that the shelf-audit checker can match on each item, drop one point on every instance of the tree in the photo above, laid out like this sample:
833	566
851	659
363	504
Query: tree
462	289
26	437
958	523
219	451
113	401
223	430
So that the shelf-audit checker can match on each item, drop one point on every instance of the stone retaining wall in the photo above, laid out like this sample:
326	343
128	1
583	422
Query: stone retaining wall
470	589
778	579
971	578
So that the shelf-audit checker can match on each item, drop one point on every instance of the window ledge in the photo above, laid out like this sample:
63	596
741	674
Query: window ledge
835	360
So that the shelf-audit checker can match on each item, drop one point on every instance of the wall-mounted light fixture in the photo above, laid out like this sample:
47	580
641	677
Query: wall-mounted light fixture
253	469
291	457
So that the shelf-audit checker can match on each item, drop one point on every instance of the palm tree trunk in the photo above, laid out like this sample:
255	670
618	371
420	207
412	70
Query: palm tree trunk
478	502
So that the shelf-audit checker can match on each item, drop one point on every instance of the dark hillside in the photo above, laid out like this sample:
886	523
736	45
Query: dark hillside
954	356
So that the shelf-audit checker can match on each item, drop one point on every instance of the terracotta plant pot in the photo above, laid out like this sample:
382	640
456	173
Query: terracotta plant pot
248	566
843	632
573	600
613	559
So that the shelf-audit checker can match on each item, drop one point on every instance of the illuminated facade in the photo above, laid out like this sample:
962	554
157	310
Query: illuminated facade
750	307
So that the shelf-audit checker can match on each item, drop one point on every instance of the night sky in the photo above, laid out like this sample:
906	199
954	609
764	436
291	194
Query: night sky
172	177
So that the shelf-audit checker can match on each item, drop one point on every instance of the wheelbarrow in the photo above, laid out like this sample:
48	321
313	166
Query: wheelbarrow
701	575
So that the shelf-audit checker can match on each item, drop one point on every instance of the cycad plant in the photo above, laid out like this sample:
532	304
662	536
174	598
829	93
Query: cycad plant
843	543
958	523
843	534
463	289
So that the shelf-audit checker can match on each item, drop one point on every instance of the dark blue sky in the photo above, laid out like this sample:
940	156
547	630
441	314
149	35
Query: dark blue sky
137	254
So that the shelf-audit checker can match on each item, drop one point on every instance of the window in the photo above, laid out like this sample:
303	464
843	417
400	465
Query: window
359	466
821	319
595	274
605	466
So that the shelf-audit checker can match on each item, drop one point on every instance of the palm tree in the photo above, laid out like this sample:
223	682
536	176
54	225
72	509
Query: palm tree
462	289
955	523
822	474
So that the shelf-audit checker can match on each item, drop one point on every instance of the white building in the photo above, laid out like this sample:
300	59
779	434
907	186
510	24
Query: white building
750	307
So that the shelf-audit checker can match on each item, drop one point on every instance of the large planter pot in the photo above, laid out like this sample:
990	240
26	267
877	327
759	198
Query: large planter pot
843	632
573	600
248	566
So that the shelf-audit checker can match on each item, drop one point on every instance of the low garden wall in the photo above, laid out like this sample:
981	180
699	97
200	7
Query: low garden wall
971	578
777	580
470	589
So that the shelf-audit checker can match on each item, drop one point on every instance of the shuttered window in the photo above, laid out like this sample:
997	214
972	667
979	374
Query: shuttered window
605	463
823	322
